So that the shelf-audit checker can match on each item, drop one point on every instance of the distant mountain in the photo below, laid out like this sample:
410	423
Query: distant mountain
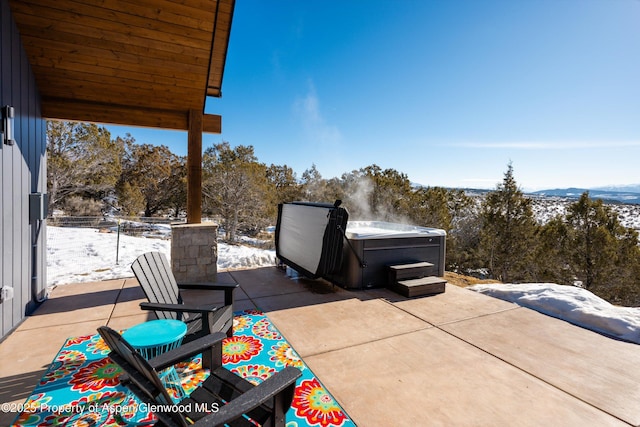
630	188
612	194
618	195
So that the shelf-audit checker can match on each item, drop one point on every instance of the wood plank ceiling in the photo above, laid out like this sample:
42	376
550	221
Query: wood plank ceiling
129	62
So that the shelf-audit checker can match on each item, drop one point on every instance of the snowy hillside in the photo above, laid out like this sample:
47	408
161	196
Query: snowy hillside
546	207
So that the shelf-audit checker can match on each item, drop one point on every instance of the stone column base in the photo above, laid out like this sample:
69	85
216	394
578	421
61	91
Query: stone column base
194	252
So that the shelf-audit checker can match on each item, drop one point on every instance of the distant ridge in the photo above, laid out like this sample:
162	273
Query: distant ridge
606	195
612	194
629	188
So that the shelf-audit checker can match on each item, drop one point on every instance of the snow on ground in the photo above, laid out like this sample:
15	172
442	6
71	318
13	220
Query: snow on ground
573	304
87	255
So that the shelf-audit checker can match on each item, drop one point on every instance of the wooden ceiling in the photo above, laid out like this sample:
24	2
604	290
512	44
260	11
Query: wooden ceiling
129	62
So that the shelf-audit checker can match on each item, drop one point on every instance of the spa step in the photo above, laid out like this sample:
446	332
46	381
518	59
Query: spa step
429	285
409	271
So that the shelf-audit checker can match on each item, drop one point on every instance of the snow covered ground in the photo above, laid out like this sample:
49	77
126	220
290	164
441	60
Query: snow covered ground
573	304
86	255
545	208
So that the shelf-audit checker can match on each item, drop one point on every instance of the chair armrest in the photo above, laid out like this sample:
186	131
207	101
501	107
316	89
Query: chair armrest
228	289
188	350
281	384
178	308
209	286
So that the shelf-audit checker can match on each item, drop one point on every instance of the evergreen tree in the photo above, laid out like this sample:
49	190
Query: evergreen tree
624	288
153	172
177	186
317	189
552	259
130	199
372	193
234	186
284	184
463	234
594	232
429	208
508	231
82	160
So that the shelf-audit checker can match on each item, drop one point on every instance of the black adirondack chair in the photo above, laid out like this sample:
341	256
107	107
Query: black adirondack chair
163	292
231	398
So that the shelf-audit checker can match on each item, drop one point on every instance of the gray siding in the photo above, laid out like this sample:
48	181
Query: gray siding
23	244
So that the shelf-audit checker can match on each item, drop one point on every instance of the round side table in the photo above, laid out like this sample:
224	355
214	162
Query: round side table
155	337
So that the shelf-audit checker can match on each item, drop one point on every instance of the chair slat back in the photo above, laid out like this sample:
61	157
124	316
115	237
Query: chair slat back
147	384
154	274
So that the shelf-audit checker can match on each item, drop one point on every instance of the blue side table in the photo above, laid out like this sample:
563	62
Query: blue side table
155	337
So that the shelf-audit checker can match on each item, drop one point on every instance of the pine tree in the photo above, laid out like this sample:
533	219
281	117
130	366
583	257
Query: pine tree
234	186
153	171
508	231
594	232
429	208
553	253
372	193
82	160
283	183
313	187
624	286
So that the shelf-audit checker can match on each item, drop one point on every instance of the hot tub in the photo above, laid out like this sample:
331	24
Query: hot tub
318	240
371	246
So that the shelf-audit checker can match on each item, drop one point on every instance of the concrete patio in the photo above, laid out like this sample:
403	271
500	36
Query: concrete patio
453	359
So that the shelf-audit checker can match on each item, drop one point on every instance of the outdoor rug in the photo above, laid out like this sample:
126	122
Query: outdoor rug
81	387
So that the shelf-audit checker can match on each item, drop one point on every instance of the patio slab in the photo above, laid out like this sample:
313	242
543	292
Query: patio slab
458	358
430	378
334	325
81	301
453	305
262	282
599	370
128	301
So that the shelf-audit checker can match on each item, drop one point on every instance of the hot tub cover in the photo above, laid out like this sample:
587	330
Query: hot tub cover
309	236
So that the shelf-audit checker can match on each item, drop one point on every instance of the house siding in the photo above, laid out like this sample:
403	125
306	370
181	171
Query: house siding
23	243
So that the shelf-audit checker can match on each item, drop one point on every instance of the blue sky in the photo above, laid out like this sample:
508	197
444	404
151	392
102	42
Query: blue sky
447	91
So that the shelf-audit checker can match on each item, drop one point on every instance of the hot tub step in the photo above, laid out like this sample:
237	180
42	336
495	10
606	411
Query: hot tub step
419	287
409	271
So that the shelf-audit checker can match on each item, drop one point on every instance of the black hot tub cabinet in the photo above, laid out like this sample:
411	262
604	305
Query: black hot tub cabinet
317	240
372	246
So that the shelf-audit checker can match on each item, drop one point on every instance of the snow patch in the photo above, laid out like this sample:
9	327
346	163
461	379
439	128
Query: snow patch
570	303
76	255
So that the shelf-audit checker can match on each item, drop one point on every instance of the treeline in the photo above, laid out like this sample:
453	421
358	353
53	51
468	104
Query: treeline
496	236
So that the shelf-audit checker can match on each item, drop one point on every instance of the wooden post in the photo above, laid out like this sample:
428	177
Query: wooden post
194	168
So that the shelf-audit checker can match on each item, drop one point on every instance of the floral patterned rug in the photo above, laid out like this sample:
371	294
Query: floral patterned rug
81	387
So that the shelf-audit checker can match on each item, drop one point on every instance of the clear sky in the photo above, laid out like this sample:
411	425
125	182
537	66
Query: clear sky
447	91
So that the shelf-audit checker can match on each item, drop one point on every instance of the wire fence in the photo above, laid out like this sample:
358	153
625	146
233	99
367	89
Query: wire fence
130	226
98	248
88	249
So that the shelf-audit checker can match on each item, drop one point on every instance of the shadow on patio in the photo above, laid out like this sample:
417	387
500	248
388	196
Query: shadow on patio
457	358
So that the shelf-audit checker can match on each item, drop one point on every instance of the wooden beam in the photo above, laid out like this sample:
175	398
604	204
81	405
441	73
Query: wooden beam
212	123
194	167
75	110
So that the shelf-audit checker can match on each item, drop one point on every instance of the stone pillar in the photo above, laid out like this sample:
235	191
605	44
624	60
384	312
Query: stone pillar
194	252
